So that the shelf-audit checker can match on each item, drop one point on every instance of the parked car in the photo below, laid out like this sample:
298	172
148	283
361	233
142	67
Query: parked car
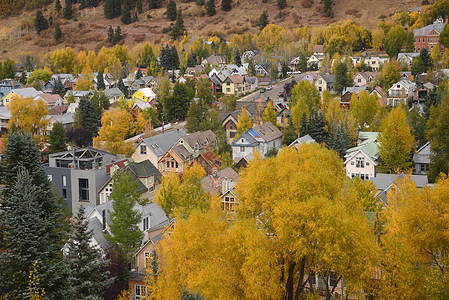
281	94
263	90
296	73
269	88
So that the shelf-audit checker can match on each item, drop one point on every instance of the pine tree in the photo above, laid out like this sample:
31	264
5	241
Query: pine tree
139	73
57	139
317	125
342	78
58	87
139	6
178	28
121	85
88	278
32	224
109	9
23	78
100	80
68	11
226	5
126	13
425	57
304	125
174	58
28	64
171	10
153	4
282	4
88	115
58	33
82	4
118	35
111	36
328	7
237	58
193	118
58	6
117	8
40	23
210	7
263	20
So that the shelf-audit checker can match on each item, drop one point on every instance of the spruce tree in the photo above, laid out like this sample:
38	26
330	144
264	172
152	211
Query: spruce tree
328	7
68	11
317	127
342	78
88	115
58	6
174	58
121	85
237	58
23	78
282	4
40	23
117	8
226	5
263	20
57	139
88	278
111	35
139	73
193	118
178	28
153	4
109	9
82	4
118	35
28	64
58	87
32	222
304	125
425	57
100	80
171	10
126	13
58	33
139	6
210	7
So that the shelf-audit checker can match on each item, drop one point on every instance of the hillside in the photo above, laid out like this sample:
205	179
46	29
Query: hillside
89	31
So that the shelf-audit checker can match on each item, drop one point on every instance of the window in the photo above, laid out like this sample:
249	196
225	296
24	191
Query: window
151	188
242	149
64	180
145	223
359	80
147	260
232	135
229	204
141	292
143	149
83	189
352	163
367	163
64	193
103	218
50	177
359	162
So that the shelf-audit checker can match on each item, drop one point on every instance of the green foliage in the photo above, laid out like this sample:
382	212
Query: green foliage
193	118
328	7
68	11
40	23
126	13
178	28
171	11
88	278
58	6
169	58
86	116
108	9
338	140
153	4
210	7
226	5
425	58
139	73
237	58
58	33
28	64
100	81
444	36
394	41
210	121
342	78
263	20
282	4
418	127
317	127
418	66
139	6
39	74
57	139
124	229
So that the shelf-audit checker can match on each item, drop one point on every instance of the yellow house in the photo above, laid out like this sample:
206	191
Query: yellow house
144	94
234	85
24	93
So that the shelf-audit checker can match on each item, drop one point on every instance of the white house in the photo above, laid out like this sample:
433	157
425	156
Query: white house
421	160
361	161
262	138
400	92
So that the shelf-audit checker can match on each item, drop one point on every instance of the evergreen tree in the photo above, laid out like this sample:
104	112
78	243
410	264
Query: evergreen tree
139	73
82	4
32	222
139	6
153	4
23	78
418	66
289	134
118	34
88	278
58	6
186	295
303	125
28	64
328	8
58	33
317	127
425	57
226	5
58	87
124	229
174	58
88	116
109	9
121	85
171	10
40	23
338	140
263	20
210	7
111	36
193	118
68	11
178	28
100	80
282	4
200	2
342	78
117	8
92	3
57	139
126	13
237	58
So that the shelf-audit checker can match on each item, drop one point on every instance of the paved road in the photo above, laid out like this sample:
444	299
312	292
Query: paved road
272	94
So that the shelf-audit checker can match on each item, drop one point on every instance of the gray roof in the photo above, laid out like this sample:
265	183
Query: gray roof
77	93
422	155
200	137
5	114
182	152
251	140
64	119
27	92
267	131
207	182
383	181
330	79
307	139
145	169
251	79
437	26
160	144
113	92
97	229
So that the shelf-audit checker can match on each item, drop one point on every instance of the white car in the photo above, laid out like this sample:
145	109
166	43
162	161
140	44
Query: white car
269	88
296	73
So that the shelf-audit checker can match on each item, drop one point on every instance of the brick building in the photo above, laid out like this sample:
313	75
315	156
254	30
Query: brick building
428	37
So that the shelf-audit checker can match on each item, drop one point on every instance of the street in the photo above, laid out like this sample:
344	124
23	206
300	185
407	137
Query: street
272	94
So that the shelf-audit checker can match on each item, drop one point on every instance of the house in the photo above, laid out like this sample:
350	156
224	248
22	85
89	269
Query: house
400	92
363	79
252	83
135	85
315	59
58	110
214	60
362	160
421	91
421	160
376	62
229	121
380	93
186	150
428	37
23	93
216	84
146	95
149	180
347	93
209	161
113	94
249	54
78	174
234	85
325	82
263	69
406	58
65	119
283	118
155	147
5	116
386	182
77	95
194	70
310	77
51	100
306	139
6	85
236	70
263	138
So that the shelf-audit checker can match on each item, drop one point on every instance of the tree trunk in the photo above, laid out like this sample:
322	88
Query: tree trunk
289	285
300	287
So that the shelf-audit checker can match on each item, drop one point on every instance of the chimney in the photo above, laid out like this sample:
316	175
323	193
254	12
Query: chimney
225	185
216	182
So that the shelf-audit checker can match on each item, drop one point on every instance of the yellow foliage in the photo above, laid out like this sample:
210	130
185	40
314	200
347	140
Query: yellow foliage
85	83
